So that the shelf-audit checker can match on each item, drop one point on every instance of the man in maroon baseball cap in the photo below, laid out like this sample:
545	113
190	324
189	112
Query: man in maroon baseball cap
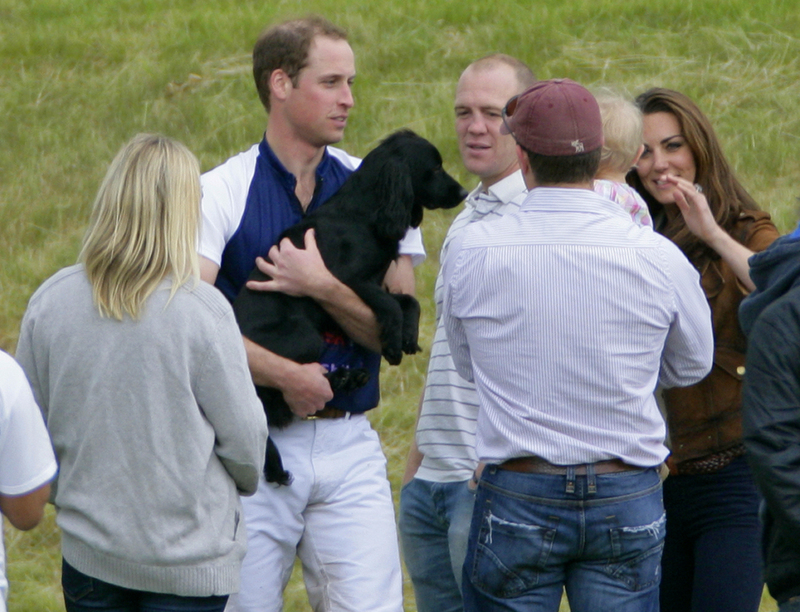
566	316
557	125
556	118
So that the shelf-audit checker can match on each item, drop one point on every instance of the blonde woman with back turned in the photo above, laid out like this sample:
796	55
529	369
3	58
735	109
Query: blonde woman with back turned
141	374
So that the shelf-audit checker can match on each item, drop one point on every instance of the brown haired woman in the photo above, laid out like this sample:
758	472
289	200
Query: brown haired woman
711	558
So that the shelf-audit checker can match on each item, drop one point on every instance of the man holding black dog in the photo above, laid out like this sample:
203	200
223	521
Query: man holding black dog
337	516
566	315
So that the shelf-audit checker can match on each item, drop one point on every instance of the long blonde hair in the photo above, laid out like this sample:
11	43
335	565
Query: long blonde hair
144	225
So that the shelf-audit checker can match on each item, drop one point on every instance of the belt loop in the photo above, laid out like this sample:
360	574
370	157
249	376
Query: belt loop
590	479
570	479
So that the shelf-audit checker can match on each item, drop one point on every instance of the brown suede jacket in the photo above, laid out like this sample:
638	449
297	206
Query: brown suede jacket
706	418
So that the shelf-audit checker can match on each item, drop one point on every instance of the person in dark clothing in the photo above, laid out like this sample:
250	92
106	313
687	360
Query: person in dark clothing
770	317
712	557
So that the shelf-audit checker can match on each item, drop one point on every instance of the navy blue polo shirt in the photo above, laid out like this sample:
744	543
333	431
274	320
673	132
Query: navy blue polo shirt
271	207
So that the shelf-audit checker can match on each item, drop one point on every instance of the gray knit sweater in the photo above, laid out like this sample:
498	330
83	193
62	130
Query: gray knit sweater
156	426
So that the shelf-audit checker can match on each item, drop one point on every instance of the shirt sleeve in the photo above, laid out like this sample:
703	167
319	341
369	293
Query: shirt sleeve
27	460
761	234
226	394
217	215
224	195
453	278
26	359
689	349
412	245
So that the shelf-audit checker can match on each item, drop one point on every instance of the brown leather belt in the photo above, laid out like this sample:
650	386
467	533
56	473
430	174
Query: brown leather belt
327	413
707	464
535	465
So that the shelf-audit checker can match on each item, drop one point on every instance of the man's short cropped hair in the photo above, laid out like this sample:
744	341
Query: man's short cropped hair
285	47
564	169
525	76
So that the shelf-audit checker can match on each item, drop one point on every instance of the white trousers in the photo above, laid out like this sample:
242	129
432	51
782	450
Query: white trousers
337	516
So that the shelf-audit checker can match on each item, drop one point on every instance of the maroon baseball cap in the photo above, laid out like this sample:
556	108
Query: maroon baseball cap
556	117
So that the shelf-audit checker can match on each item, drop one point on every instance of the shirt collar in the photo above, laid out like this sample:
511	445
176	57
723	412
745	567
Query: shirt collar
561	199
502	192
286	177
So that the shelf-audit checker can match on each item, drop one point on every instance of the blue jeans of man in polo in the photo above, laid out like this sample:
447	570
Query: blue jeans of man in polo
598	536
434	522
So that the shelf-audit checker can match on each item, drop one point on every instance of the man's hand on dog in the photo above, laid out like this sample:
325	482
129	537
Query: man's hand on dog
294	271
307	390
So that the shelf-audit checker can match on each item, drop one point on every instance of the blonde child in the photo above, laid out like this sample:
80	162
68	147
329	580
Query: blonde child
622	133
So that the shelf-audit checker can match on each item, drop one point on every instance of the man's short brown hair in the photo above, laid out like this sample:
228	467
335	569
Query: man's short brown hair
564	169
285	47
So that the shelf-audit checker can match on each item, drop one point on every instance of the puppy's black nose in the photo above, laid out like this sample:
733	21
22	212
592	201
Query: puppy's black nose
463	193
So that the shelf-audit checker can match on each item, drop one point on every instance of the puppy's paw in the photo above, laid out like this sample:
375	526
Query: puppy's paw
393	355
410	347
348	379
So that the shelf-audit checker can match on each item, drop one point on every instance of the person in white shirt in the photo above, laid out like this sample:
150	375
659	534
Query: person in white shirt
438	488
337	516
566	315
27	461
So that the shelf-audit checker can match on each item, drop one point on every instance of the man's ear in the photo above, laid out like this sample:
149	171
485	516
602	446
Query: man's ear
525	166
279	84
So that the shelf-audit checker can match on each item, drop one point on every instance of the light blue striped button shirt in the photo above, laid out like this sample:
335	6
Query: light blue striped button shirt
566	315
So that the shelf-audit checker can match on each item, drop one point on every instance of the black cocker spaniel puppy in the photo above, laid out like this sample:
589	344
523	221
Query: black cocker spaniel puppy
357	231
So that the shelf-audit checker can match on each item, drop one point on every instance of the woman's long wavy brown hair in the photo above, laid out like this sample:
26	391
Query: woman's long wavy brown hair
726	196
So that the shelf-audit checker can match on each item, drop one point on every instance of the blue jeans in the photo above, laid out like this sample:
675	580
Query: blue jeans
600	537
712	554
83	593
434	526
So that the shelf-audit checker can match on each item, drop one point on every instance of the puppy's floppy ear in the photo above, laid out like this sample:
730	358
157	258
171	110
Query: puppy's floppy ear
394	191
416	215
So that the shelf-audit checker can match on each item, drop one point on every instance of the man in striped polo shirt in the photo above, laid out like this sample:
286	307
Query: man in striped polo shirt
436	501
566	315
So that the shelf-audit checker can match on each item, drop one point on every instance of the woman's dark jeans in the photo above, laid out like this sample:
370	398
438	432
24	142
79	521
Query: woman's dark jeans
83	593
712	553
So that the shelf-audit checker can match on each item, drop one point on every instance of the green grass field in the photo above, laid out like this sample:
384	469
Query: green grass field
79	77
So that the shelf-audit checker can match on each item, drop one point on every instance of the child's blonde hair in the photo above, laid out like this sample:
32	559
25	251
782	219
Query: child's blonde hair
622	130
